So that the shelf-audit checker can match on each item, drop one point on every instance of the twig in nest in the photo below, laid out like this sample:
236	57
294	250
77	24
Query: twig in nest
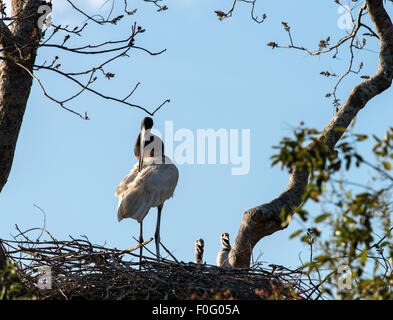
137	246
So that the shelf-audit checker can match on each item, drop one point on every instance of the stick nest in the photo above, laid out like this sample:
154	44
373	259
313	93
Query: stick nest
82	270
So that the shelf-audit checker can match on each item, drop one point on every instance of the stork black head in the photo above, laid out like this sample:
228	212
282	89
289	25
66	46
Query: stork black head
225	241
147	144
147	123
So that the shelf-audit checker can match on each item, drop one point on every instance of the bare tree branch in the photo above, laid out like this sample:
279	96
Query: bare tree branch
266	219
325	47
6	37
223	15
19	42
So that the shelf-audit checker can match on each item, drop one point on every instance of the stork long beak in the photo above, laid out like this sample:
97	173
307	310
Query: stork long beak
141	148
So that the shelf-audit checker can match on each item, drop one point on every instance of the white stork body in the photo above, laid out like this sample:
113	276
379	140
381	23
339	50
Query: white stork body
151	187
147	188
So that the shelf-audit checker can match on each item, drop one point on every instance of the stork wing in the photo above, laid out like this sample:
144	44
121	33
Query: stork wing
127	180
150	188
159	182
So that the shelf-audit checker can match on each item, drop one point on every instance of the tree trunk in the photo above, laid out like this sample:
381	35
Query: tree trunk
18	47
265	219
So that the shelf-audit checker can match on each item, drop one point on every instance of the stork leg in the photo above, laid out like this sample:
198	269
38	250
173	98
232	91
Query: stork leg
157	234
140	242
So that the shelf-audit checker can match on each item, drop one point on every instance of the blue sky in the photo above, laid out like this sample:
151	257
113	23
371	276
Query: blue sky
217	75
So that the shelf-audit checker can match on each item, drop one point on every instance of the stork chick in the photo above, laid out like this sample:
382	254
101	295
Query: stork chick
199	246
222	256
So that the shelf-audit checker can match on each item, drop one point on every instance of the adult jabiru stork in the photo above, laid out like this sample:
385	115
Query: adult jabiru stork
149	184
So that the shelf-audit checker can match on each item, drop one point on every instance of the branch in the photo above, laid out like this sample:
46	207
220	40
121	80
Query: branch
155	2
325	47
13	53
60	103
59	36
98	93
266	219
6	37
222	15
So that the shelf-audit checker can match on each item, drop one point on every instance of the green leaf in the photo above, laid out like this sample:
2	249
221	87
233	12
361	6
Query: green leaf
361	137
306	239
322	258
322	217
285	218
363	256
295	234
387	165
314	196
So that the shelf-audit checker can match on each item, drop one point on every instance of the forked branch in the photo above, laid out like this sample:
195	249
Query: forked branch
266	219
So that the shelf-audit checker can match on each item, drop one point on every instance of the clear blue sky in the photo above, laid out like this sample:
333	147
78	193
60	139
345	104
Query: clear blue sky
217	75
